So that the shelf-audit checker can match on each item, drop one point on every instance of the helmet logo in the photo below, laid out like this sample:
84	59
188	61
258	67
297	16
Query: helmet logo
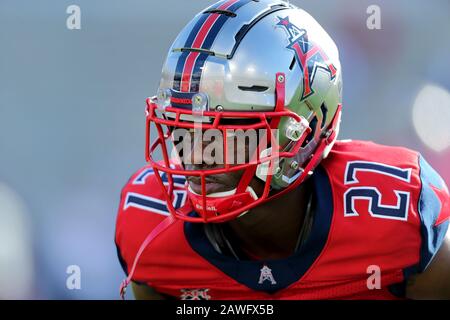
308	54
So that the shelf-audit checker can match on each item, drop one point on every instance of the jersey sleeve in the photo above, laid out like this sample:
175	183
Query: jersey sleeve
142	208
434	212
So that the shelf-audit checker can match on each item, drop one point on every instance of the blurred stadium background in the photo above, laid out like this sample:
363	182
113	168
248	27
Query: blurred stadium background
72	117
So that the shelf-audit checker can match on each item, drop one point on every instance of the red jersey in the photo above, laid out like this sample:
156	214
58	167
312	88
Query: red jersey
381	214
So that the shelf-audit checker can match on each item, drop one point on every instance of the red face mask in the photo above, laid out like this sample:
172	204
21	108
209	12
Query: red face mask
224	206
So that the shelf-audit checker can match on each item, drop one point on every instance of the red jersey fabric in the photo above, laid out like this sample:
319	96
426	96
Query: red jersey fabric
379	211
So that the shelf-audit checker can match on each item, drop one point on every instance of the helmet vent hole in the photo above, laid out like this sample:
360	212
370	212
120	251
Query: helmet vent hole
292	63
324	110
224	12
254	88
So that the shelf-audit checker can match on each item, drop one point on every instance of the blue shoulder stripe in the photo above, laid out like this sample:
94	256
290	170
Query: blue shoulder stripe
429	207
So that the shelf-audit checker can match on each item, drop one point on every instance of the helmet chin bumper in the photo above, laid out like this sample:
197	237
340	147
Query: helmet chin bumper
220	203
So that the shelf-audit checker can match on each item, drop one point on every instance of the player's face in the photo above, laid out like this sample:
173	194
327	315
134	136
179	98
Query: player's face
236	149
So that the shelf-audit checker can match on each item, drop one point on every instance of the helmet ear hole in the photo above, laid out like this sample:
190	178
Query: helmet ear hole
324	110
312	125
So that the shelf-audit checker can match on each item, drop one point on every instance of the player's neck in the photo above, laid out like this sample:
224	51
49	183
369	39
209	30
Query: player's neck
271	231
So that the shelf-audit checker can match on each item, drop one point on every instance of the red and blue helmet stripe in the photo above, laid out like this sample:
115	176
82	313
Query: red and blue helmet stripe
189	66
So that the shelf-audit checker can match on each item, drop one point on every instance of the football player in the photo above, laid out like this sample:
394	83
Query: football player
303	215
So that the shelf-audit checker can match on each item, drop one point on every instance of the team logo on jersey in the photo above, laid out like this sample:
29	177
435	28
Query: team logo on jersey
266	274
195	294
308	54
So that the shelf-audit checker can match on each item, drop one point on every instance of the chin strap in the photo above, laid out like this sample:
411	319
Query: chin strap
163	225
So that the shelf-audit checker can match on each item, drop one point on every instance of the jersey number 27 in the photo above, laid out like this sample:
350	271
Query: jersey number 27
373	194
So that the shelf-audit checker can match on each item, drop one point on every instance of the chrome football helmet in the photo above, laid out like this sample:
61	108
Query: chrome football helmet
264	64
